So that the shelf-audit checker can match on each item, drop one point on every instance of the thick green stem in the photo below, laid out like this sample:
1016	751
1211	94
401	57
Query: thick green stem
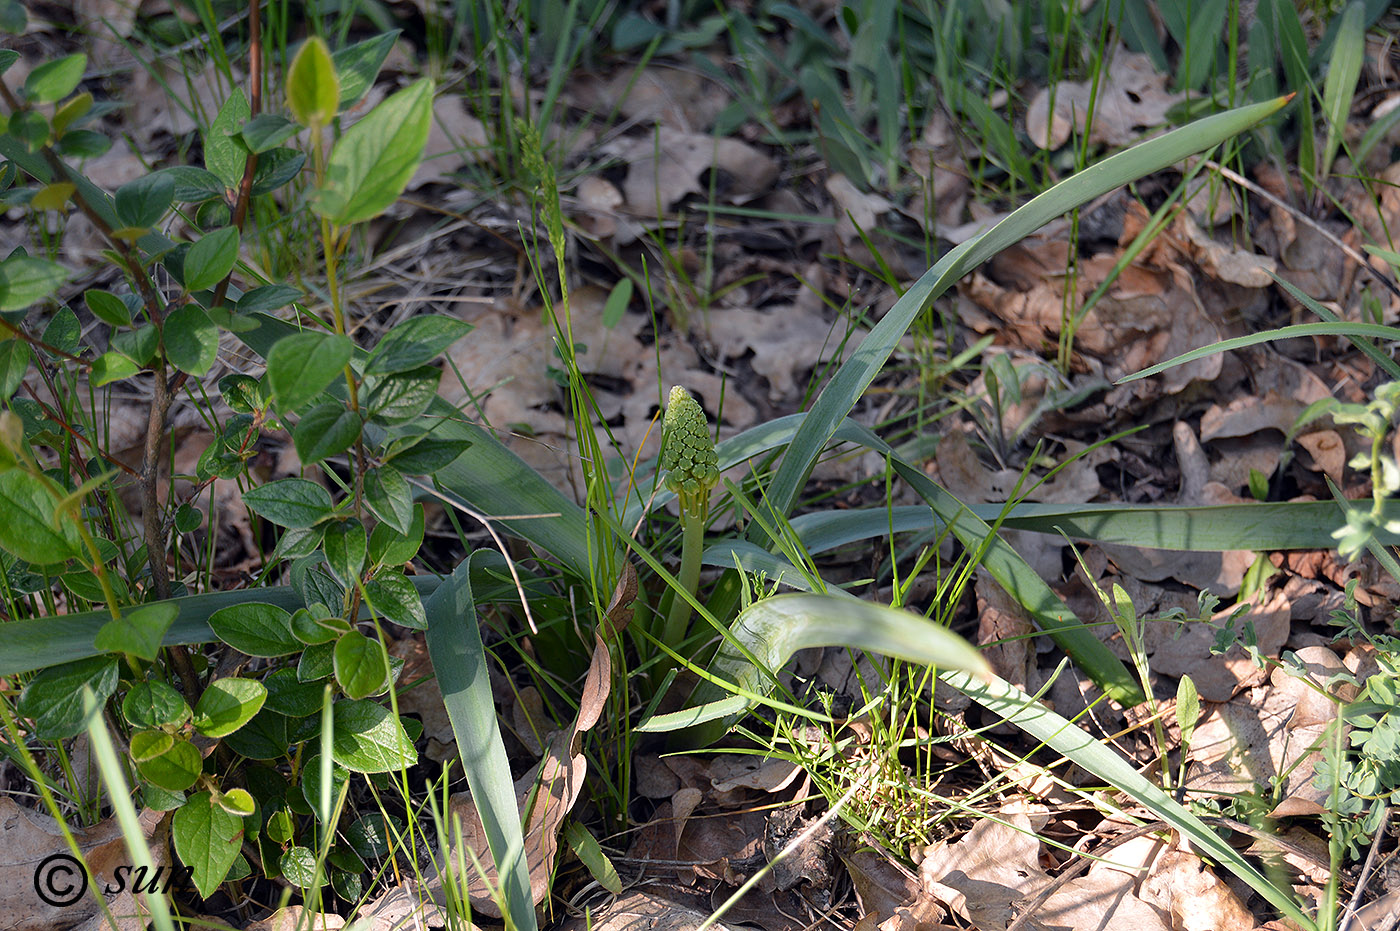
677	624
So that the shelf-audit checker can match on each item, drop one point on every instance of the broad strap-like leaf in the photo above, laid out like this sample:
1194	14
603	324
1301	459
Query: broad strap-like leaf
459	659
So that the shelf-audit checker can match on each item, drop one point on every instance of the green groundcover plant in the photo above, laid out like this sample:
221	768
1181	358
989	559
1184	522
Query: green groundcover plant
254	744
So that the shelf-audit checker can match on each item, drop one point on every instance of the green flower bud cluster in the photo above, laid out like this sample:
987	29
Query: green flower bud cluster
687	449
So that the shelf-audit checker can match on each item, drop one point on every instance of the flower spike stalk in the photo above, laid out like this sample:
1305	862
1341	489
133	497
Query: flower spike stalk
688	453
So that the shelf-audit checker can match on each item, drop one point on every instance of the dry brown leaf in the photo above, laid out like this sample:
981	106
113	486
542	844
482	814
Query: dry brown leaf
1219	677
641	911
455	138
668	166
1252	741
883	887
1131	100
786	342
1103	900
1004	632
32	836
1197	899
681	99
295	918
406	907
984	873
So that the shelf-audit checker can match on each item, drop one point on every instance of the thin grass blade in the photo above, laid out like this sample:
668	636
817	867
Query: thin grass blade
856	374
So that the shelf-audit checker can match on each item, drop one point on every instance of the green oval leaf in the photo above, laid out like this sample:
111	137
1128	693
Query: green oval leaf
359	665
139	631
54	80
191	339
301	366
388	547
25	281
325	430
224	151
107	307
367	738
401	397
388	495
394	597
228	704
295	503
210	259
346	545
207	840
27	529
142	202
54	697
255	629
175	770
147	745
154	704
373	161
415	342
356	66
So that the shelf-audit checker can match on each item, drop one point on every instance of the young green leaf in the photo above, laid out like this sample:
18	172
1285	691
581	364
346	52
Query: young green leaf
207	840
370	165
356	66
359	665
289	502
313	92
54	80
191	339
228	704
415	342
147	745
139	631
368	738
210	259
154	704
174	770
25	281
224	151
300	366
28	530
1188	708
255	629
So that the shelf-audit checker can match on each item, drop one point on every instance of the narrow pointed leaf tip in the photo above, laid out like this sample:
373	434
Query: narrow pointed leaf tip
688	450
